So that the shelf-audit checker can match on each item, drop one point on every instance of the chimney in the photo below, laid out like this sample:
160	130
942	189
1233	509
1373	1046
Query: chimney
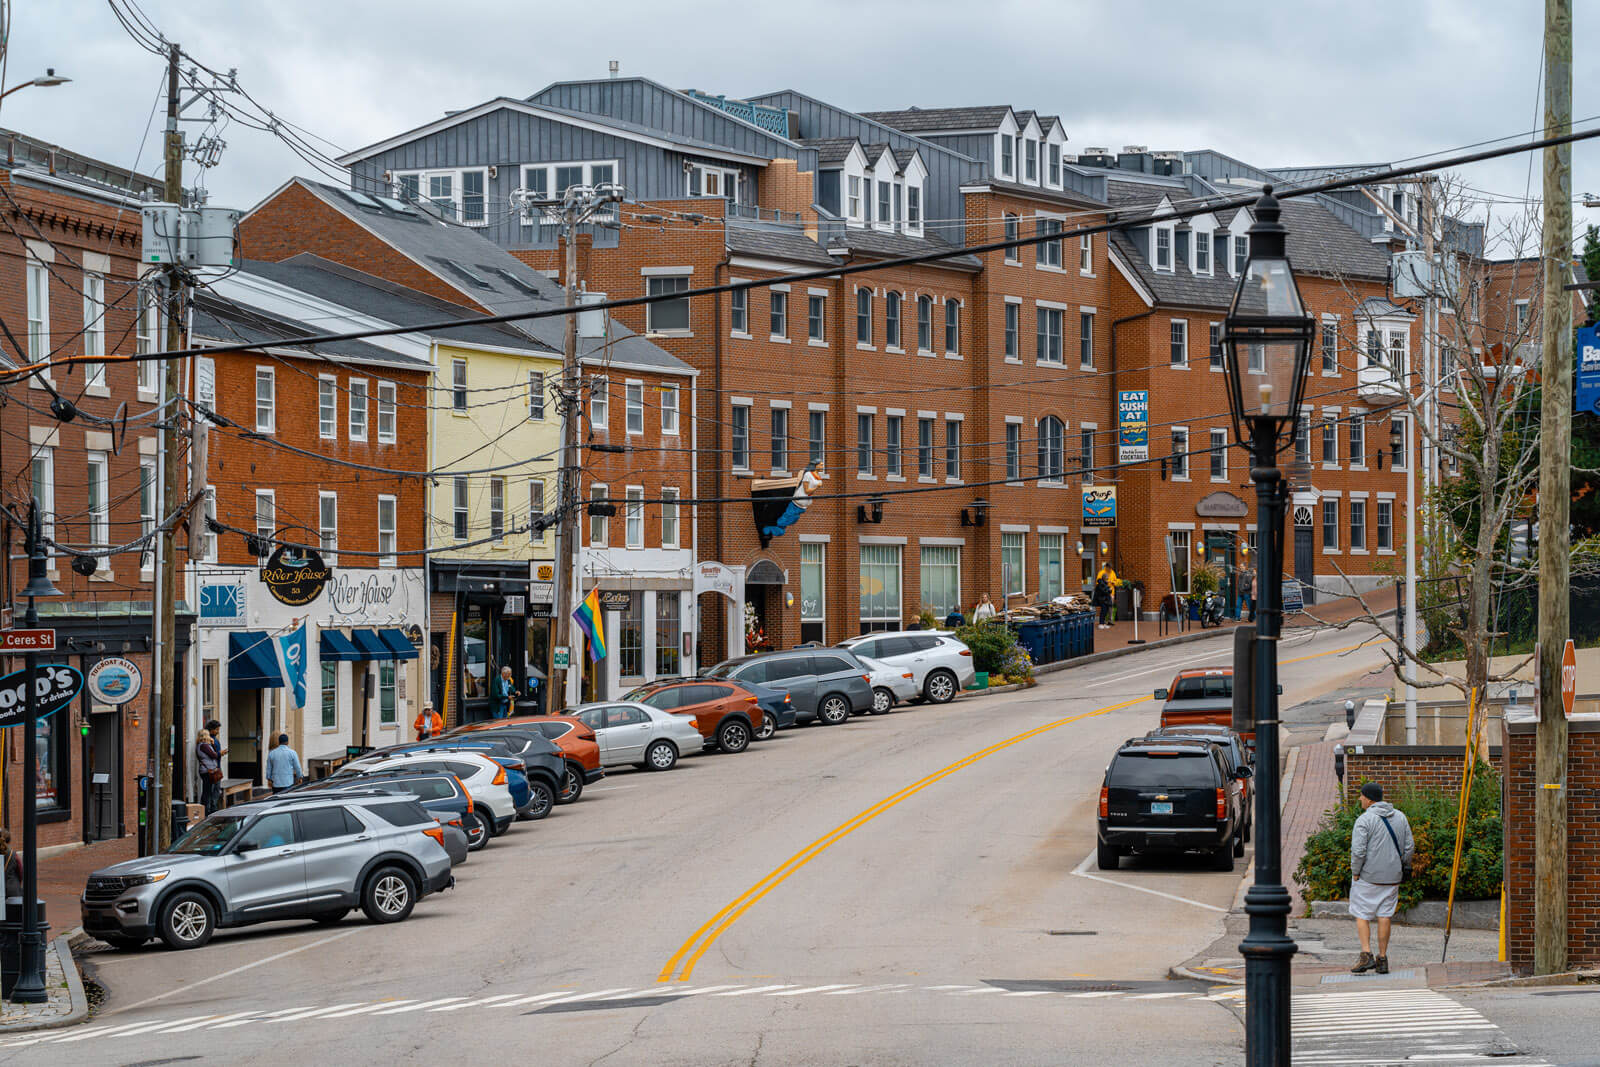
616	68
1137	158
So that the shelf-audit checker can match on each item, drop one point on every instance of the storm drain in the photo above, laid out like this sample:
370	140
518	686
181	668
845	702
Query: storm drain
1051	985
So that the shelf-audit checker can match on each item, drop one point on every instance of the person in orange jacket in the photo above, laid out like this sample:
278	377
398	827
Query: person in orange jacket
429	723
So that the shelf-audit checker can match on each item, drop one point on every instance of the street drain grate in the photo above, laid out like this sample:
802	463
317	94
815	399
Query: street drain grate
1072	933
1047	985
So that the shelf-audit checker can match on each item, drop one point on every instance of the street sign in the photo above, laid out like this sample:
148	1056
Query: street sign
27	641
562	658
1569	676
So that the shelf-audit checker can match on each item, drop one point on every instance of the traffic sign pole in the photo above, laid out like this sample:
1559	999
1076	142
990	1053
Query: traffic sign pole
30	976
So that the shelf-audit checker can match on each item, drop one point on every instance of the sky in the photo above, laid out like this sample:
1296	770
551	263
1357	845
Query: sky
1288	83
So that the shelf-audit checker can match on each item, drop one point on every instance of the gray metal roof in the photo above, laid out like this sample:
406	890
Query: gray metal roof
935	119
508	285
785	244
877	243
638	129
1039	192
225	322
1379	307
830	149
26	152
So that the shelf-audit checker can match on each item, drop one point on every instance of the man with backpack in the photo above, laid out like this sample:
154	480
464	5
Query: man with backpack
1381	848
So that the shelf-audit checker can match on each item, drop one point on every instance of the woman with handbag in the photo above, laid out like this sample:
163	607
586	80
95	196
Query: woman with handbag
208	757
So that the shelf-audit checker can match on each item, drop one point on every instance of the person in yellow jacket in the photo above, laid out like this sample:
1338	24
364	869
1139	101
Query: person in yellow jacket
429	723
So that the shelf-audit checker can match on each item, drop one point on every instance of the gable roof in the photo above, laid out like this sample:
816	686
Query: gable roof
694	98
493	278
830	149
226	322
940	119
774	243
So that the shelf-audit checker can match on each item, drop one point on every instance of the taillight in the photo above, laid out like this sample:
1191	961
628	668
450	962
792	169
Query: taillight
694	722
499	776
908	674
1105	802
867	678
456	822
1222	804
966	651
787	699
435	833
752	700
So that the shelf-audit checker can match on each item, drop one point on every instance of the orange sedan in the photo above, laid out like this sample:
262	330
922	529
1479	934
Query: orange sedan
576	741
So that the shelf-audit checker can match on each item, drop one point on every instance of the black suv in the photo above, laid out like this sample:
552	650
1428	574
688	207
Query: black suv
1239	755
1171	795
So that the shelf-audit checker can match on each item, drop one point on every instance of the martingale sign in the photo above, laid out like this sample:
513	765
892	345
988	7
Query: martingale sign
54	686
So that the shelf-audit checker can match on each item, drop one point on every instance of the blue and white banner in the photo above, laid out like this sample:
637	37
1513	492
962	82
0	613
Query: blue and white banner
293	646
1586	394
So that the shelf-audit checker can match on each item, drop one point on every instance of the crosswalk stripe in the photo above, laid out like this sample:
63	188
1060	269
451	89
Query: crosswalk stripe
404	1009
757	989
368	1008
1157	996
267	1017
812	989
700	992
179	1026
534	999
1095	994
484	1003
312	1013
863	989
1030	993
573	998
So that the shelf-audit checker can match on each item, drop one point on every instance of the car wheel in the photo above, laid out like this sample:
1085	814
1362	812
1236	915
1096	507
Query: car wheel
733	736
661	756
389	895
187	921
833	710
1222	856
479	828
1106	857
544	799
123	942
940	687
328	918
882	701
769	727
572	786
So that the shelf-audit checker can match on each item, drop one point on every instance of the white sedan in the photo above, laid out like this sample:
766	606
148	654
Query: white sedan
637	735
890	684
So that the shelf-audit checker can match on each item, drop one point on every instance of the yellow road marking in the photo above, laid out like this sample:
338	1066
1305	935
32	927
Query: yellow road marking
689	953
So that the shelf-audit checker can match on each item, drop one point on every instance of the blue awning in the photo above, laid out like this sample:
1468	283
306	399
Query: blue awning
336	647
398	643
252	661
370	646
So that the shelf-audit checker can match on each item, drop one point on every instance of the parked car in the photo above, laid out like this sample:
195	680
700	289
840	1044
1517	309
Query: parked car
1202	696
576	741
1239	755
724	711
639	735
890	685
486	781
301	856
1171	795
537	757
827	685
941	663
441	793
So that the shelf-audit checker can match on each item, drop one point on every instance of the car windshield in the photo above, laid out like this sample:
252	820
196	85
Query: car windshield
211	836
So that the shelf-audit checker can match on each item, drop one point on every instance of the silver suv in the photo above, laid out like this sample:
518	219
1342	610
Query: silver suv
940	664
298	856
825	684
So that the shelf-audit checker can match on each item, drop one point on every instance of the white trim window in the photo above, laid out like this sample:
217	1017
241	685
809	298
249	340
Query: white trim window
779	438
386	413
952	450
266	519
1202	252
327	406
1161	242
38	283
704	179
816	317
894	446
1179	463
1214	347
460	508
497	508
1178	343
817	437
1008	150
633	407
328	526
1401	426
358	409
1013	451
1358	439
1030	160
458	386
891	319
1050	566
924	448
853	203
1358	524
1182	559
1049	252
1330	524
1219	455
1085	253
599	403
952	326
147	512
924	323
739	312
1241	253
914	209
1330	344
1013	328
863	316
266	400
535	509
1054	154
1013	561
536	395
667	316
739	436
1385	525
94	328
599	525
1085	340
940	575
779	308
633	516
669	410
456	194
388	516
1086	435
99	499
549	181
669	516
813	590
1011	230
864	444
1047	335
1052	462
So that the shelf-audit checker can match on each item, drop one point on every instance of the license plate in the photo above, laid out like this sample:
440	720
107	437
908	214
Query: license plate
1161	807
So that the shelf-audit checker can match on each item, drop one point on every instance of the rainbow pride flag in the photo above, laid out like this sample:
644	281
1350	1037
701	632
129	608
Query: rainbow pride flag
587	616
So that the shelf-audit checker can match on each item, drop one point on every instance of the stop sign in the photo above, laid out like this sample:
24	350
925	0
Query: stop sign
1569	676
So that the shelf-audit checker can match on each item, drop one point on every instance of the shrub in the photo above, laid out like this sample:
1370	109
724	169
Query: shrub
1324	870
991	642
928	618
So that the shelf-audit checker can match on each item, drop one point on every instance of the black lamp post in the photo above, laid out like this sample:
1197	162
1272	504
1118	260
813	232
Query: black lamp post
30	987
1267	343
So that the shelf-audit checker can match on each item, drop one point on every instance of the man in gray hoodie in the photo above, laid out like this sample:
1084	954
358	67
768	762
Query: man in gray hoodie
1380	847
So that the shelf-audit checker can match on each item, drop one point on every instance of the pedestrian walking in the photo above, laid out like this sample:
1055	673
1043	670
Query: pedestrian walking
12	863
208	757
1381	848
1247	593
984	611
1102	600
429	723
284	769
501	694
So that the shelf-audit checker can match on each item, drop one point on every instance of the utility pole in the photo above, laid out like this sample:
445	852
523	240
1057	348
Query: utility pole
165	611
1555	458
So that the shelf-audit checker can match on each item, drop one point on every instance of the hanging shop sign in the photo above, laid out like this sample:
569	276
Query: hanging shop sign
1586	391
1099	505
224	603
414	635
54	686
545	572
616	599
295	576
1133	425
114	680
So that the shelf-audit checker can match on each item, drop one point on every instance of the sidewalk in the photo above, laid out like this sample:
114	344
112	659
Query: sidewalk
1341	610
62	877
1314	790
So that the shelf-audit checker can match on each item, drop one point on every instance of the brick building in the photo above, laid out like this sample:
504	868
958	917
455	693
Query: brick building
69	256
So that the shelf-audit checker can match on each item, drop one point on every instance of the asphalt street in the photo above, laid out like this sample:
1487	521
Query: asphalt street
909	889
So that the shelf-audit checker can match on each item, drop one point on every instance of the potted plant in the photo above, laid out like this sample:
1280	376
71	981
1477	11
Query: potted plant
1205	578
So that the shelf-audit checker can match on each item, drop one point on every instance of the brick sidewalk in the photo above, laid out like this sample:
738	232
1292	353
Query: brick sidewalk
1314	790
62	877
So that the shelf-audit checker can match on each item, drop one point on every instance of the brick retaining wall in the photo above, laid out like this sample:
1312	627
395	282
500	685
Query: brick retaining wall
1396	766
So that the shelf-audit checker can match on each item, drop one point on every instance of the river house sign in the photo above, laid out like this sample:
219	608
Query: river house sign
1220	505
295	576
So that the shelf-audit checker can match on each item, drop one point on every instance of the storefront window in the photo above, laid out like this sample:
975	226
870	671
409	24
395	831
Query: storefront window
475	654
941	578
880	587
386	700
1049	566
669	634
630	637
55	776
330	694
813	594
1012	551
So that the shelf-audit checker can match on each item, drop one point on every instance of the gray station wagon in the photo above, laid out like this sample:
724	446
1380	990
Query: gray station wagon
825	684
298	856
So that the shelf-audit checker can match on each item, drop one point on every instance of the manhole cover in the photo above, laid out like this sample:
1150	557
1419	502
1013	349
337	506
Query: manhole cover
1328	979
1047	985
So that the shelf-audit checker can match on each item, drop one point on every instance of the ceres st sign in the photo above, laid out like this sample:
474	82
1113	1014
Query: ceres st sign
1569	676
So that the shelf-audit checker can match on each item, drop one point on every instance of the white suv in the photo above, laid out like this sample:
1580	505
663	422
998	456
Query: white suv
483	779
941	665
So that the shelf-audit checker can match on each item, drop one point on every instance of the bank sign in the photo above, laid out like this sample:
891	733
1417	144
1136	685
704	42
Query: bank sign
1133	425
1586	395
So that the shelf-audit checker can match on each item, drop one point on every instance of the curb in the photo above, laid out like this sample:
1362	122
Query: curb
74	982
1181	973
1534	980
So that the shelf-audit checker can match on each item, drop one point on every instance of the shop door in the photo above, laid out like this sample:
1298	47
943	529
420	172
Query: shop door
479	661
1220	554
1304	561
105	790
246	735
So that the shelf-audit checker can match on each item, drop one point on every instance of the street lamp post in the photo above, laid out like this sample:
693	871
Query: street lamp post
1267	344
45	80
30	987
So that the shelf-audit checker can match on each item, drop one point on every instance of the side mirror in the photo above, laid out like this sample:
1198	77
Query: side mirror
1243	773
1161	694
246	846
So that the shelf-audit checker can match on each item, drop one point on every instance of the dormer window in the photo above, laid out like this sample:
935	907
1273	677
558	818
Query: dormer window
1055	164
914	209
1030	159
1202	252
1008	151
1241	252
1162	238
899	205
885	205
853	200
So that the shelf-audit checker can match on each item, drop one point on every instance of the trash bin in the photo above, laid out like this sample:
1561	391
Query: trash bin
980	680
1030	635
10	945
1058	638
1124	601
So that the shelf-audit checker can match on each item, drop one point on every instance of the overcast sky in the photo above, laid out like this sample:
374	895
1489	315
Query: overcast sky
1297	82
